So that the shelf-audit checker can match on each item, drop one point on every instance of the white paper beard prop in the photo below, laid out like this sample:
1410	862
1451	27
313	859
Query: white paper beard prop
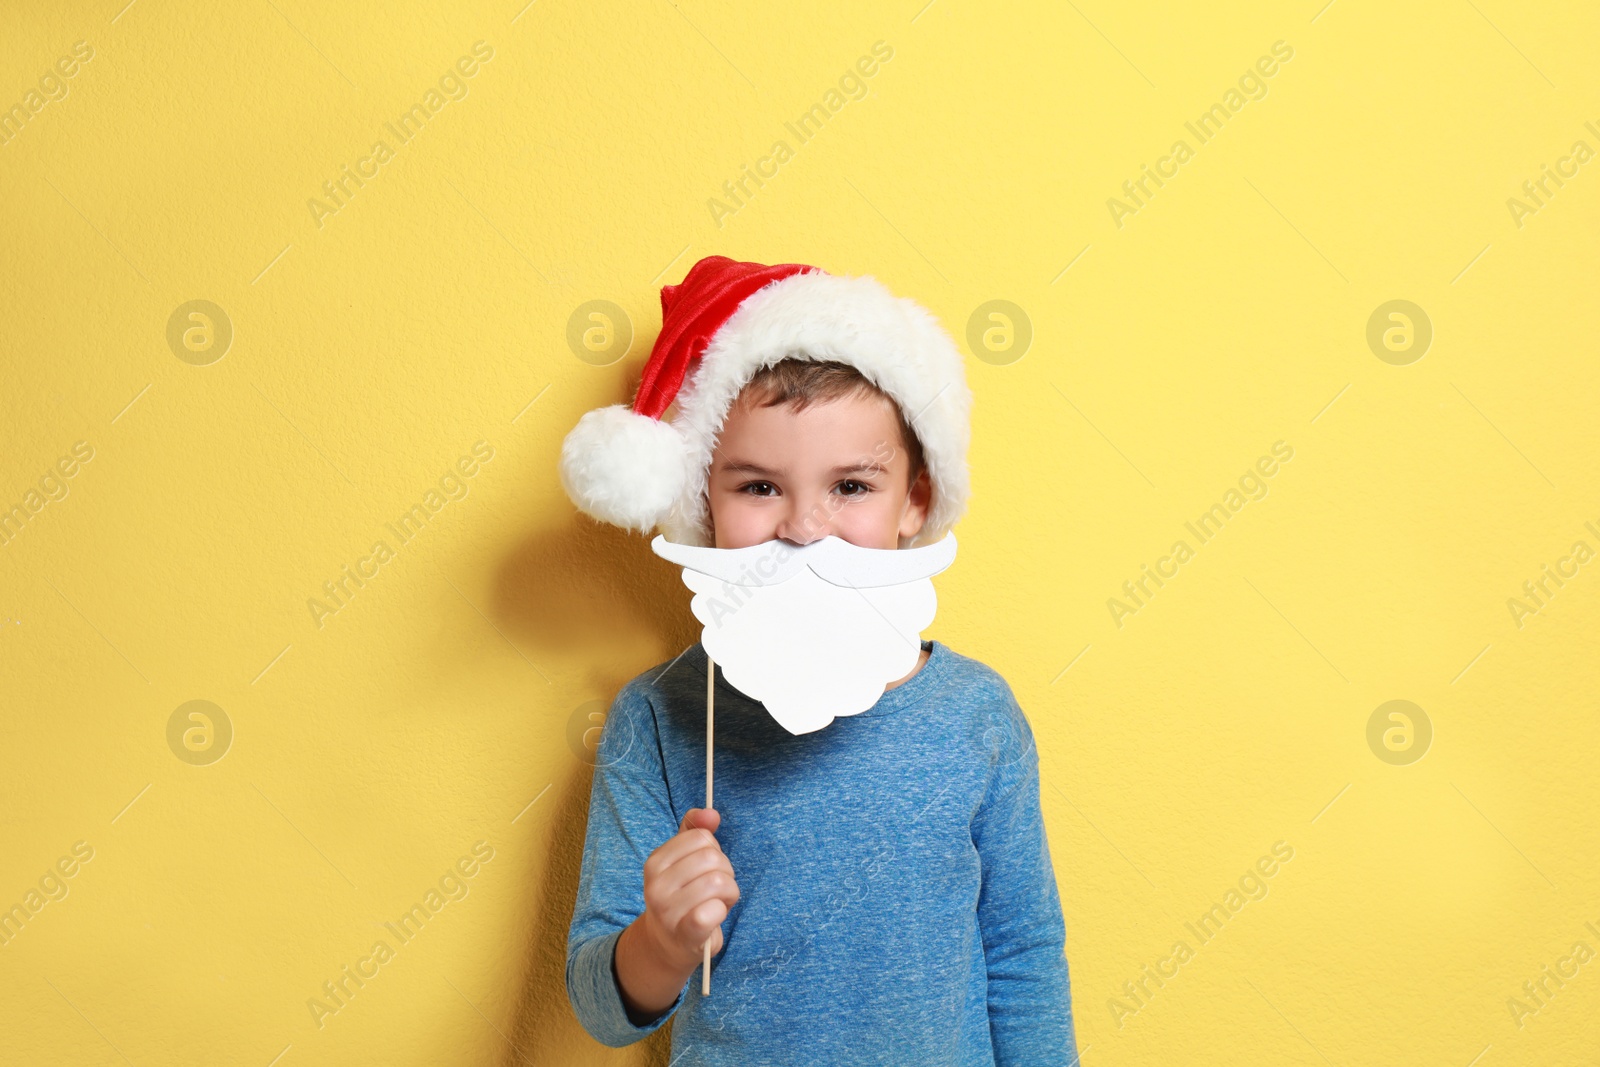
812	632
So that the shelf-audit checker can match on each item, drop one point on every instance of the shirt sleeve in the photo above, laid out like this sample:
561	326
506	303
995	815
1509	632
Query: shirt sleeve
1019	908
630	815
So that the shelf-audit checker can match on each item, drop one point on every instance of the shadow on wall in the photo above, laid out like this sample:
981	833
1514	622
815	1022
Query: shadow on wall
568	596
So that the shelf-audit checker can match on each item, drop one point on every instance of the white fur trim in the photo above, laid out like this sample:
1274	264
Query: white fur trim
896	344
624	468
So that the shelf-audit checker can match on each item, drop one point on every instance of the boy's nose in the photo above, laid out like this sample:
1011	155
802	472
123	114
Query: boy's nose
805	523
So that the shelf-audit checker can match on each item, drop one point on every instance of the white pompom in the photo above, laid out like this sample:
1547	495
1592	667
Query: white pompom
624	468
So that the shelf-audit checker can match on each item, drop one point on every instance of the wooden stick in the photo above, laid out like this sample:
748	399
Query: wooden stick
711	677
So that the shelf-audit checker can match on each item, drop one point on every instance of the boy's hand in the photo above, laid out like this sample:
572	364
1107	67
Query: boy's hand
688	890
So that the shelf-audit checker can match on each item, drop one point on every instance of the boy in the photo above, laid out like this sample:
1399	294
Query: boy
876	892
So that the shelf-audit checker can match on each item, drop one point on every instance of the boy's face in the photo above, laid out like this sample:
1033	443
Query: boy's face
838	467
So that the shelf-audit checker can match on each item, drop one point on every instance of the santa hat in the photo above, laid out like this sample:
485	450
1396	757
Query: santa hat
724	322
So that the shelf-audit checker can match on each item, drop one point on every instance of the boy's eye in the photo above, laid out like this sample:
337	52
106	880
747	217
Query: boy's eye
755	488
861	486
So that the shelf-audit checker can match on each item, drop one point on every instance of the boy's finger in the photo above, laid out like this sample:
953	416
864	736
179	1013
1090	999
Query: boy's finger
701	818
695	938
717	885
691	865
705	919
677	847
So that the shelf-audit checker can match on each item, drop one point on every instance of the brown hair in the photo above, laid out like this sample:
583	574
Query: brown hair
802	382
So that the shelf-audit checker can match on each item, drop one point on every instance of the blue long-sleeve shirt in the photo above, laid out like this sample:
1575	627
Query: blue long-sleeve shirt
898	904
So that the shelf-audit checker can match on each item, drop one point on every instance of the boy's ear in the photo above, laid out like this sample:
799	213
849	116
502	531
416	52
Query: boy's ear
918	501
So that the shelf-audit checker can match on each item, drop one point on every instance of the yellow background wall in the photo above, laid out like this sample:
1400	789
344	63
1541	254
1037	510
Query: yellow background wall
449	699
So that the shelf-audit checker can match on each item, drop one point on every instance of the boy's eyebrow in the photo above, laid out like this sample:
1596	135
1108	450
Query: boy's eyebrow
739	467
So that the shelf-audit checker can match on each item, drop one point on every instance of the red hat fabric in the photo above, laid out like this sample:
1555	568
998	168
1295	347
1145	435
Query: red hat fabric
691	313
